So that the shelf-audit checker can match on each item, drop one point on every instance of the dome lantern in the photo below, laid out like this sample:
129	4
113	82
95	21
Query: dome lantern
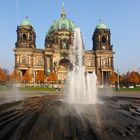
63	13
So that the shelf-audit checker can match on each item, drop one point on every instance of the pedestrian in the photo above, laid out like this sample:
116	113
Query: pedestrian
116	87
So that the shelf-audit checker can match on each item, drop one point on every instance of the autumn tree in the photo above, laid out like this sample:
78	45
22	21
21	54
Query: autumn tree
52	77
6	71
127	79
3	76
40	77
130	78
15	76
121	78
138	75
113	77
133	78
26	77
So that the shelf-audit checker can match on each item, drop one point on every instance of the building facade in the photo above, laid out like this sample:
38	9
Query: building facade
55	55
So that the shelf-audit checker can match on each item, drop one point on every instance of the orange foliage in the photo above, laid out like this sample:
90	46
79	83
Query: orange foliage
133	77
121	78
3	76
138	75
14	76
27	77
52	77
113	77
40	77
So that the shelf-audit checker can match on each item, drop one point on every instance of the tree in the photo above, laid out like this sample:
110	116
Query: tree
15	76
138	75
113	77
52	77
133	78
26	77
6	71
3	76
40	77
127	79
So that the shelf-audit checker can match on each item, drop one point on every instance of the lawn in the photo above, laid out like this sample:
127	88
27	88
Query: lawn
130	89
5	88
36	89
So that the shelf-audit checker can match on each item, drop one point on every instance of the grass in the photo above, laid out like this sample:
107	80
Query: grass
129	89
5	88
36	89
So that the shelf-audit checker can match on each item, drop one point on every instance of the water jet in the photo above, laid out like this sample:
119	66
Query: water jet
81	87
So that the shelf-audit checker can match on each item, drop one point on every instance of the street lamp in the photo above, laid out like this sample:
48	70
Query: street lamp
118	80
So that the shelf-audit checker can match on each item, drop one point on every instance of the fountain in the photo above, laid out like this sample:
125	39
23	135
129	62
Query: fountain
81	86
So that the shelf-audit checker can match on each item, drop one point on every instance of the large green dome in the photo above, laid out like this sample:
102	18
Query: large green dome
25	22
101	26
62	23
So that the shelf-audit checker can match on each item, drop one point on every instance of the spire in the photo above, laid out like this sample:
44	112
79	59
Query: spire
63	13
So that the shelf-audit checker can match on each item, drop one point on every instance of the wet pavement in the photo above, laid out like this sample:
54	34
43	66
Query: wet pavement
10	96
48	117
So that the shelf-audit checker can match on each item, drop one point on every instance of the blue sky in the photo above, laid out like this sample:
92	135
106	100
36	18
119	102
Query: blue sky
121	16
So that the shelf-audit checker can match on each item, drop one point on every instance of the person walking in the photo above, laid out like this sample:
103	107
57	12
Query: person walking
116	87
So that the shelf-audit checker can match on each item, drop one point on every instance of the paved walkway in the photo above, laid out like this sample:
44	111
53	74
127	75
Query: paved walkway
109	92
134	94
9	96
41	118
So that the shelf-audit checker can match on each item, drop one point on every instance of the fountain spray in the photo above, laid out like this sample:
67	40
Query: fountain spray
81	87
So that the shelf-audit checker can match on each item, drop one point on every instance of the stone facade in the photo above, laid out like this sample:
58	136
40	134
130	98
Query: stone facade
55	55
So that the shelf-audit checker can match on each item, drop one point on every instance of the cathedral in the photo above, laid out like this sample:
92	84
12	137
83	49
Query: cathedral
55	55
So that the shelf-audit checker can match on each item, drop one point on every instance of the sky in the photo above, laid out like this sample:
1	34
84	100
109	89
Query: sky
122	17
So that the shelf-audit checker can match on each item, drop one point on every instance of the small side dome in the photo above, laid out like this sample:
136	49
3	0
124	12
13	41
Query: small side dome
101	26
25	22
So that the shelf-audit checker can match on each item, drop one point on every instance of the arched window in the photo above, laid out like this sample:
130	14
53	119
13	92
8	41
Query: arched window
23	61
64	62
104	62
39	62
64	43
103	39
89	63
24	36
